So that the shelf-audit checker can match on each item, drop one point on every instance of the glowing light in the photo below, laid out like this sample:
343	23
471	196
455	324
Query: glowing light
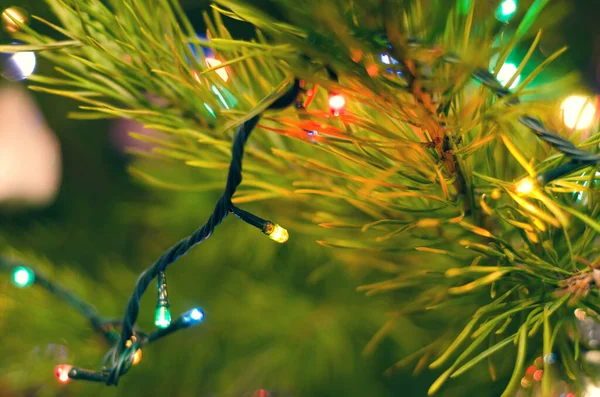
19	66
496	194
337	103
506	11
210	110
506	73
525	186
193	316
196	315
213	62
538	375
11	17
578	112
137	357
23	276
162	317
525	382
276	232
220	96
62	373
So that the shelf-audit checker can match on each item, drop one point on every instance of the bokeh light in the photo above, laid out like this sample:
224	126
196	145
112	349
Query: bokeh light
23	276
506	73
506	10
578	112
18	66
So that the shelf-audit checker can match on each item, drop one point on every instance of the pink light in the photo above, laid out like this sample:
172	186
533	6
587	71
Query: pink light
62	372
213	62
337	103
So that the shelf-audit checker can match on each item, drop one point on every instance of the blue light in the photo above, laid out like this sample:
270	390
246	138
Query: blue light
193	316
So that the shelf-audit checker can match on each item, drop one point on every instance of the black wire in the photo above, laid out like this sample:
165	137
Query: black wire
579	158
121	354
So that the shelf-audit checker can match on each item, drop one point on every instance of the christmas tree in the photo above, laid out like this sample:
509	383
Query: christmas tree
424	144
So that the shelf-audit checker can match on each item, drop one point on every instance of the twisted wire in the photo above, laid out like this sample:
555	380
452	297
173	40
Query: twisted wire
121	357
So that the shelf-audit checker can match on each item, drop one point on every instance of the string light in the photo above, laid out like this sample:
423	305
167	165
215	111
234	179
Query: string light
337	103
276	232
137	357
12	17
162	316
193	316
506	73
62	373
23	276
506	10
18	66
213	62
578	112
525	186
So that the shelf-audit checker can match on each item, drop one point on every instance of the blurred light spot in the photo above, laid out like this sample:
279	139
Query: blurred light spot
18	66
506	10
580	314
507	71
11	16
578	112
538	375
213	62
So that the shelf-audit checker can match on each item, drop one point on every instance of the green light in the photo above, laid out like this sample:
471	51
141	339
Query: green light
506	11
210	110
23	276
507	71
162	318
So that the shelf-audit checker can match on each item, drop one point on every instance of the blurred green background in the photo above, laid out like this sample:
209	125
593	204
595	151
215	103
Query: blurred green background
284	318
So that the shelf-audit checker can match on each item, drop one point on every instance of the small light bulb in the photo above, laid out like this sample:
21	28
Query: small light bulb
23	276
276	232
137	357
506	10
525	186
11	17
162	317
337	103
578	112
62	373
507	71
213	62
196	315
18	66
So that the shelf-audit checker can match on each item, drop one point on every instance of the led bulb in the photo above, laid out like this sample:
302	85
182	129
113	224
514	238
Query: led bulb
525	186
62	373
337	103
162	317
578	112
23	276
193	316
276	232
137	357
506	11
506	73
11	17
213	62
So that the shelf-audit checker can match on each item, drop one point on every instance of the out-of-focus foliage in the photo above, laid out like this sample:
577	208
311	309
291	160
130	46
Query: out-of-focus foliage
397	188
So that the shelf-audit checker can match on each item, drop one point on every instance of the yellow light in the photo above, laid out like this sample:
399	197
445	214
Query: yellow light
137	357
212	62
276	232
525	186
496	194
578	112
11	16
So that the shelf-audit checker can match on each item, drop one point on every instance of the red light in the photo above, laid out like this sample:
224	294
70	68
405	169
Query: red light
62	373
538	375
337	103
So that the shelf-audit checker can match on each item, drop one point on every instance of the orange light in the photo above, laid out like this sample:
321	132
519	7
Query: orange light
337	103
212	63
137	357
62	373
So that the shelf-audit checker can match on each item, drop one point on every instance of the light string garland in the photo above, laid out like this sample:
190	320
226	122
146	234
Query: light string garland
126	349
121	354
579	157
